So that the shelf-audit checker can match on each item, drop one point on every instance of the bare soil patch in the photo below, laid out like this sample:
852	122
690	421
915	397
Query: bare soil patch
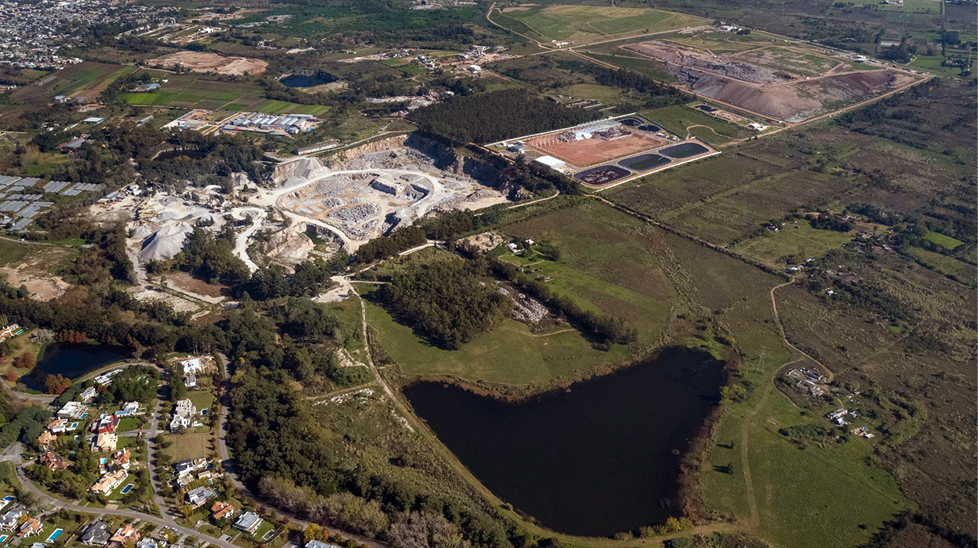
769	91
211	62
42	287
188	283
587	152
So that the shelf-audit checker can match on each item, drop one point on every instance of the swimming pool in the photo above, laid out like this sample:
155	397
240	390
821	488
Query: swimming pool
126	489
3	538
54	535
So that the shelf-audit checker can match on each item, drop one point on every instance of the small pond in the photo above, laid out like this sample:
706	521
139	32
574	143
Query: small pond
307	80
72	360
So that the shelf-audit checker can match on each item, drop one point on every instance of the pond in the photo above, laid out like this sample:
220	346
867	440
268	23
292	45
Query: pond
307	80
71	360
600	459
192	153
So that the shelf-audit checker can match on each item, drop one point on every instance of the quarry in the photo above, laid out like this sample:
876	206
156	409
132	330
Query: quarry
303	208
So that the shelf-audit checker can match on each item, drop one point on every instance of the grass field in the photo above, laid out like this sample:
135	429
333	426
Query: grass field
798	239
189	445
199	91
202	399
584	24
678	118
509	356
593	239
843	498
945	265
946	242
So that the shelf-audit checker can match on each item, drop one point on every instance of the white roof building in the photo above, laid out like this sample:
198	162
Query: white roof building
551	162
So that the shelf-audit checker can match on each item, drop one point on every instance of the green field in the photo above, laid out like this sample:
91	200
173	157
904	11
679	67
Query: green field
199	91
202	399
844	499
592	240
678	119
946	242
795	238
909	6
584	24
948	266
509	356
189	445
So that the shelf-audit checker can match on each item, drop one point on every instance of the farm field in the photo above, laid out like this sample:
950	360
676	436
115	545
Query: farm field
83	79
797	239
188	91
584	24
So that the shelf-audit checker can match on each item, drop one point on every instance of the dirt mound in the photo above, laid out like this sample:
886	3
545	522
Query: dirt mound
211	62
795	102
298	172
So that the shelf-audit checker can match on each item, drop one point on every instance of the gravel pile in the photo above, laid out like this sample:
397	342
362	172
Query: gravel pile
356	213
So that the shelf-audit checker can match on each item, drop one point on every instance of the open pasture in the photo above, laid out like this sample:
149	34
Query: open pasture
583	24
83	79
795	239
197	91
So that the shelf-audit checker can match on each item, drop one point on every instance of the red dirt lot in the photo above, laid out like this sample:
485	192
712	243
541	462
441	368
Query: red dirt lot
587	152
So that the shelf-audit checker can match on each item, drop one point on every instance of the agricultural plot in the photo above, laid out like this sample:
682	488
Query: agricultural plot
584	24
197	91
797	239
84	79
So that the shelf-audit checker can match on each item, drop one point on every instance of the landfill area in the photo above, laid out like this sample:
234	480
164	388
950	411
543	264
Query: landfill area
372	191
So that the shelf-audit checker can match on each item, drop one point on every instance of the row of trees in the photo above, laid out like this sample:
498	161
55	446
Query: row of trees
607	329
657	94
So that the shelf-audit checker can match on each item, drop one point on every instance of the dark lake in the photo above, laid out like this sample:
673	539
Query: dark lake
307	81
193	154
600	459
72	360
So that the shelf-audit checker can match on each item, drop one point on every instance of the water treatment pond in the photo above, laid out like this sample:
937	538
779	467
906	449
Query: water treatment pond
71	360
600	459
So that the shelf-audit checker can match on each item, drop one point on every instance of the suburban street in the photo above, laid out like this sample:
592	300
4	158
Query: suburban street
14	454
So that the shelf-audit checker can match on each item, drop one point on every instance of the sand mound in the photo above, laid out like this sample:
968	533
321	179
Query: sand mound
164	243
211	62
298	172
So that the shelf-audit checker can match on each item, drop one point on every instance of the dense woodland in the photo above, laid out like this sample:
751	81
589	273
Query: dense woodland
495	116
449	302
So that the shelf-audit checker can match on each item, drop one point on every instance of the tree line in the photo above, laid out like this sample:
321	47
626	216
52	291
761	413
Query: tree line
603	327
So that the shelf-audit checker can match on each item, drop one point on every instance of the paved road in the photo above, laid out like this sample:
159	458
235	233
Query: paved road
14	454
154	481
